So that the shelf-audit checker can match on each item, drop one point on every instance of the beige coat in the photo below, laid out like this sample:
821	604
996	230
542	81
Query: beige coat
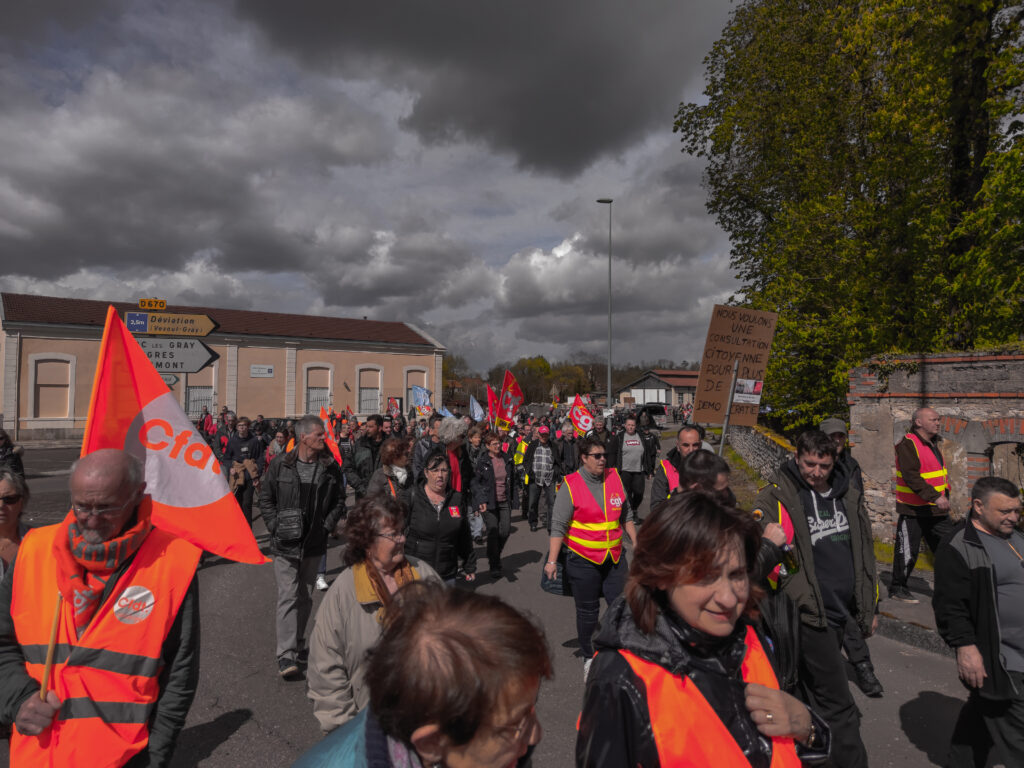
347	626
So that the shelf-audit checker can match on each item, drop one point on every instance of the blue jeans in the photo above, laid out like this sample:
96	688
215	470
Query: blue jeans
589	582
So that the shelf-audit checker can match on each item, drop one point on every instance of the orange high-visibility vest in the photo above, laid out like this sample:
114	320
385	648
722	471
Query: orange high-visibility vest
594	532
933	472
107	679
687	731
671	475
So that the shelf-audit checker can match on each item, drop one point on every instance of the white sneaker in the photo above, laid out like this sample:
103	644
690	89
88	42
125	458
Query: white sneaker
321	582
586	668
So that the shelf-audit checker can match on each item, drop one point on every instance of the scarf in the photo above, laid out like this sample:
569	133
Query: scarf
399	473
84	569
370	587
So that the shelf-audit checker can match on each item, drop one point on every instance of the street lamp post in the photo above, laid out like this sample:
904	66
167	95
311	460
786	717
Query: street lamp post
608	201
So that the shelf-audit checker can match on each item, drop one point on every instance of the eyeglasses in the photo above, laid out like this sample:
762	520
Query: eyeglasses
515	733
12	499
597	456
106	512
400	536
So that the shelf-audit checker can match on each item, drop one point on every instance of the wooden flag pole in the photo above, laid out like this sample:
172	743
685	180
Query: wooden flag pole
52	647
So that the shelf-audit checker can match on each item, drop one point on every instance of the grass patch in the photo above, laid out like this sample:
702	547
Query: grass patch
745	481
925	559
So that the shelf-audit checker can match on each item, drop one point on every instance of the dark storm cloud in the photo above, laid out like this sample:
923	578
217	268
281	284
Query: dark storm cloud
557	84
23	24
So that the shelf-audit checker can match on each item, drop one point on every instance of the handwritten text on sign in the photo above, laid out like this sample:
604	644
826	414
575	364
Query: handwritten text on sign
735	333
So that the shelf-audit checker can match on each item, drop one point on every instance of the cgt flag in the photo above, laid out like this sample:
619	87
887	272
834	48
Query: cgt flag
332	444
132	409
492	403
509	402
581	419
393	408
421	400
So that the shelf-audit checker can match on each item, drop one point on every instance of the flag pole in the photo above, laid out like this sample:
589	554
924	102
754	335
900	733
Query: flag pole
50	649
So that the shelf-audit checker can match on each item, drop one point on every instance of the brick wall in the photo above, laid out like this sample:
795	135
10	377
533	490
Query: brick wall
764	450
981	399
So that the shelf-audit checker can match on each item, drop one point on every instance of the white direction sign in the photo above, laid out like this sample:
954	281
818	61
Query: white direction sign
170	355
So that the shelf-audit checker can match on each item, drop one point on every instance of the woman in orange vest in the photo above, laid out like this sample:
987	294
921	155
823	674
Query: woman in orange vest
681	678
590	514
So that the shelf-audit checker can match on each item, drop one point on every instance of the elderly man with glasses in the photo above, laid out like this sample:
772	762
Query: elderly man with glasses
591	512
127	635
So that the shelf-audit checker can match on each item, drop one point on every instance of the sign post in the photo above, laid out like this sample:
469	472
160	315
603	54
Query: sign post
169	324
732	367
177	355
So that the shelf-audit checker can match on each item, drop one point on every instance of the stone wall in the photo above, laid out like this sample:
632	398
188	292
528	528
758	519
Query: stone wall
981	399
764	450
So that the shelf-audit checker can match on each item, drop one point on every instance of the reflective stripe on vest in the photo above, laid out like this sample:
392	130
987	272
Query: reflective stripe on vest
595	533
671	475
687	731
932	472
107	679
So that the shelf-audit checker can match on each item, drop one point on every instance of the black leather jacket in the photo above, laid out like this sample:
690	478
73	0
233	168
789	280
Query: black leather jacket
281	489
615	726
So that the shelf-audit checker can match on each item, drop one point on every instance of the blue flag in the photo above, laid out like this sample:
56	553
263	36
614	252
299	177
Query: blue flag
445	412
421	400
476	411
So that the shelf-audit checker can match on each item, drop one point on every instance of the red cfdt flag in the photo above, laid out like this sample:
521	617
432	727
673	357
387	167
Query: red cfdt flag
332	444
132	409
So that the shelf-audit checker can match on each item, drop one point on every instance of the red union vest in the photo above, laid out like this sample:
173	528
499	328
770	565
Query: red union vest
108	678
671	475
595	533
933	472
687	731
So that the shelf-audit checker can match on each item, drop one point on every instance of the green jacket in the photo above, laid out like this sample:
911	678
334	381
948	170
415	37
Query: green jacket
802	587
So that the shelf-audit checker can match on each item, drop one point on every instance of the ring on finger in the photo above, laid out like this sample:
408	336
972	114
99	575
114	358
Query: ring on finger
769	717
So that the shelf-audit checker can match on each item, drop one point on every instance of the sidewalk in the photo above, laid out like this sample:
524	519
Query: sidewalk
912	623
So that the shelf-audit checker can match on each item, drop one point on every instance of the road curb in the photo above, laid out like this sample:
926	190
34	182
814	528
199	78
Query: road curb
912	634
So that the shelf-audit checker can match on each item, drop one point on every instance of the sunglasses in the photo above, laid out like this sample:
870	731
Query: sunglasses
597	456
12	499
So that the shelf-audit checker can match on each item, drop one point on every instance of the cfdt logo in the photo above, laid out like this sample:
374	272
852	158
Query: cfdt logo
134	605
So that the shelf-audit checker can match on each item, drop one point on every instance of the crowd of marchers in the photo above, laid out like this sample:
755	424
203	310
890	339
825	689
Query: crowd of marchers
721	642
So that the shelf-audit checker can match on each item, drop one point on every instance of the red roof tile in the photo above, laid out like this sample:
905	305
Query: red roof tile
24	308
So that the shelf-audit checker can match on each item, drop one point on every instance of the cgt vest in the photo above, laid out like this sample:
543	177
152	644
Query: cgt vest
933	472
108	678
596	533
687	731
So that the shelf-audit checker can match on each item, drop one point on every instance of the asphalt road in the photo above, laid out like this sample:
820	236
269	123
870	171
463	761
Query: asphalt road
245	715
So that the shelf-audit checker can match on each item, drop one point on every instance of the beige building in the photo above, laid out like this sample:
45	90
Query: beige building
273	364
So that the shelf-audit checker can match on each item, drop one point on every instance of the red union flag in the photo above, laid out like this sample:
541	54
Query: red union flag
393	408
132	409
581	419
509	402
492	403
332	444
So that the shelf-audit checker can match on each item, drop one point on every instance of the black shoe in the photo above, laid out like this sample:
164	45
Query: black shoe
866	680
287	667
902	594
533	526
495	573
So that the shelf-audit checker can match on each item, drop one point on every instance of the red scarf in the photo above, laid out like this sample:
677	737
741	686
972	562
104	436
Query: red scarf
456	470
83	569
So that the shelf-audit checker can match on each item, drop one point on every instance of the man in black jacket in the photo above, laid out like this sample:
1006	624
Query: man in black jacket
302	497
666	475
425	445
632	453
366	455
979	611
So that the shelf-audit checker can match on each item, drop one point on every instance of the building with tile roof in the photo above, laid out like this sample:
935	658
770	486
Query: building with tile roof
270	363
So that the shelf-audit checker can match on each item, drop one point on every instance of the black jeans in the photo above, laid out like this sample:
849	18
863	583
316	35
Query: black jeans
983	724
590	581
634	485
909	531
826	689
854	644
498	522
533	503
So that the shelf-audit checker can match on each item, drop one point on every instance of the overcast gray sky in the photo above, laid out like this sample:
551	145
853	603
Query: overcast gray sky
431	162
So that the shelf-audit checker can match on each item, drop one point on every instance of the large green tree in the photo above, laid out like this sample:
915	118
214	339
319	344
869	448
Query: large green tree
863	159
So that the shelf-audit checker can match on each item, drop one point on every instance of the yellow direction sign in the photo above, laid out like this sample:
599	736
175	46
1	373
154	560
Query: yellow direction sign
157	304
169	324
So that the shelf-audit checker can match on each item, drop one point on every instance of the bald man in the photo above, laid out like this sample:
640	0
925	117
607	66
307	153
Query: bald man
922	498
127	659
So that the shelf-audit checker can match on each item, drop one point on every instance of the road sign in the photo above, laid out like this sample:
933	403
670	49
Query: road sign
156	304
169	379
178	355
169	324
